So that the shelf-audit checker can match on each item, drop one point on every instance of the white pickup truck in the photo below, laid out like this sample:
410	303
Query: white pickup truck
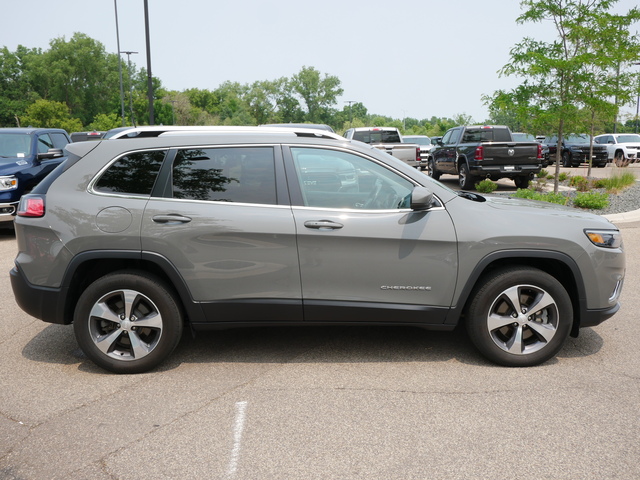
387	139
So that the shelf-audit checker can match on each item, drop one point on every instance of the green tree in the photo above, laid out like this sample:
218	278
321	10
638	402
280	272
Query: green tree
554	72
49	114
79	73
319	93
16	92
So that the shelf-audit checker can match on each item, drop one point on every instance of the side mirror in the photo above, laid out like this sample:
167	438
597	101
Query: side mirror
421	199
51	153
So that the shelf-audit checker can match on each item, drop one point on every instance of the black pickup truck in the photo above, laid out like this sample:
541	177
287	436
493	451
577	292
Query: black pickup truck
485	151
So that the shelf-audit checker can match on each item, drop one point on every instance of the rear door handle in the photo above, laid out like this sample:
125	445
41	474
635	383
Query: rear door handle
171	219
323	224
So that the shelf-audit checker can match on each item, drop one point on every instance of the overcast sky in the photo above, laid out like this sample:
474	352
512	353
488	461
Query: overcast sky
399	58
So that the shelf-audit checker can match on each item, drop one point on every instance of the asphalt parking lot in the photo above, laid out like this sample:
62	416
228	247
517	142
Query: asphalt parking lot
321	403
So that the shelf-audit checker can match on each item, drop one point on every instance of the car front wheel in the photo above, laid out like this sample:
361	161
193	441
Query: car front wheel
127	322
519	316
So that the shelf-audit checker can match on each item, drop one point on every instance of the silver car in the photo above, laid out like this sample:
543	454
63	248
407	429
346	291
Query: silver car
133	241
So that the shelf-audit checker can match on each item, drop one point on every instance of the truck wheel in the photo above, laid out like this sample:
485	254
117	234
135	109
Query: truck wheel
465	180
619	158
432	170
127	322
522	182
566	159
519	316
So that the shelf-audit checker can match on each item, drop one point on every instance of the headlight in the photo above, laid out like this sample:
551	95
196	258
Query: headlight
8	183
605	238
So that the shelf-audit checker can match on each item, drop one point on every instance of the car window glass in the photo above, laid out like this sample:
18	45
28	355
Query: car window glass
236	174
455	135
446	137
337	179
60	140
44	143
134	173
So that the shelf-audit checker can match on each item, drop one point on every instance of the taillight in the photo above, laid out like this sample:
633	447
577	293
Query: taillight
479	155
417	154
540	151
31	207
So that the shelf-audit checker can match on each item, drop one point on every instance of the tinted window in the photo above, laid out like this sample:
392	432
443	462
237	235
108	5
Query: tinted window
336	179
240	174
60	140
377	136
134	173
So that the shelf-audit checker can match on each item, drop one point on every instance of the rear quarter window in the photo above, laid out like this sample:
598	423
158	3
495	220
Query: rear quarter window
134	173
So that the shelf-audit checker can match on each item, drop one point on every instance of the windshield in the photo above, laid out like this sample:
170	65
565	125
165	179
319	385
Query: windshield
523	137
418	140
629	139
580	139
14	145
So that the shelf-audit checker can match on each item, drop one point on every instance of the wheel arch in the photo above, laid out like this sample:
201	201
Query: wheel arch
558	265
87	267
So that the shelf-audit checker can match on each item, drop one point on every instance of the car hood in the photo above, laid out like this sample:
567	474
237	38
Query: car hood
9	165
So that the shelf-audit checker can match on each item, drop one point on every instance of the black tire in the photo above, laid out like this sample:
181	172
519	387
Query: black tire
128	322
506	333
465	180
433	173
522	182
566	159
618	159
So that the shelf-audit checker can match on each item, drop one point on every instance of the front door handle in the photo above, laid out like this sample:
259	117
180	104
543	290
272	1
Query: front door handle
323	224
170	219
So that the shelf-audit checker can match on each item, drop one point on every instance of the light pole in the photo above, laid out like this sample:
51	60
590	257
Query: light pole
350	116
149	76
115	5
133	118
637	101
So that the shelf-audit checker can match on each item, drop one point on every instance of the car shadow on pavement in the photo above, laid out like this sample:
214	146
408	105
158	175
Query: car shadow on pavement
327	344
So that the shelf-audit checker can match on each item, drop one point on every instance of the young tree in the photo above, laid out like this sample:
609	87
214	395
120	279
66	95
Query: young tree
554	72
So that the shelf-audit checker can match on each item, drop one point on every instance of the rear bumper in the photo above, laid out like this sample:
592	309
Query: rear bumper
43	303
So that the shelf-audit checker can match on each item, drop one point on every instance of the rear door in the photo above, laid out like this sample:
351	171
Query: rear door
226	226
364	255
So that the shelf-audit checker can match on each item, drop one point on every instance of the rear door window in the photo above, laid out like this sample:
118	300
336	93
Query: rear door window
225	174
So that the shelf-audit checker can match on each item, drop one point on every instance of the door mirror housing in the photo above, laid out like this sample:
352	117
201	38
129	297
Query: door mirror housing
421	199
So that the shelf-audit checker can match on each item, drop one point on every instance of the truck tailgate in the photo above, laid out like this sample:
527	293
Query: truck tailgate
510	153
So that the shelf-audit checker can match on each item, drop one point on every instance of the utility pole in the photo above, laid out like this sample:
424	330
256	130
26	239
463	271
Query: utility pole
350	116
133	118
149	76
115	4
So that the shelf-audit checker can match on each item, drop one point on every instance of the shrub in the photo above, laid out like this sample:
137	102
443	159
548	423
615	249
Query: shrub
591	200
486	186
563	176
542	174
550	197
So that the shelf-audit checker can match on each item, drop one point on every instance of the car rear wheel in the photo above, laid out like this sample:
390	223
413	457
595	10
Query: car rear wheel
465	180
522	182
519	316
432	170
128	322
566	159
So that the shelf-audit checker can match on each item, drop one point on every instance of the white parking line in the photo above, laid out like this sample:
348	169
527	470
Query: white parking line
238	427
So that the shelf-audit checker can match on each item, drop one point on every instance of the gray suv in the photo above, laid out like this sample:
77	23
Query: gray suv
133	241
